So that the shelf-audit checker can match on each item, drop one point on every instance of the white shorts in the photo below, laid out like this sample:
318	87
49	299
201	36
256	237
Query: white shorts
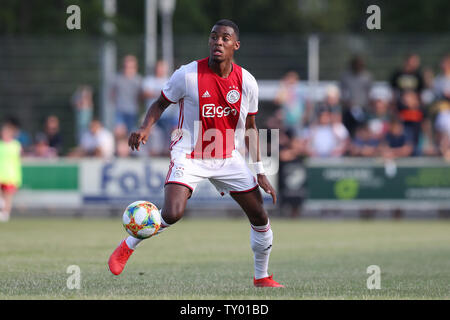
230	175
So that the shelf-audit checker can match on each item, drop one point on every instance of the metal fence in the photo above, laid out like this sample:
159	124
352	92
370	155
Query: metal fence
39	74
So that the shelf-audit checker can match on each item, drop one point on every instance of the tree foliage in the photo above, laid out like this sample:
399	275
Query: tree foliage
253	16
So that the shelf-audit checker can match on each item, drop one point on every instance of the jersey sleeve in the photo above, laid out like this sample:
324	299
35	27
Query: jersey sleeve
175	87
252	93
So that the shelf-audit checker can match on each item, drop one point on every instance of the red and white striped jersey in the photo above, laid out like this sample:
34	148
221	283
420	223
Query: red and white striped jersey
213	110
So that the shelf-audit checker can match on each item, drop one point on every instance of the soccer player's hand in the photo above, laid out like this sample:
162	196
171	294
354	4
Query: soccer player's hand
266	186
137	137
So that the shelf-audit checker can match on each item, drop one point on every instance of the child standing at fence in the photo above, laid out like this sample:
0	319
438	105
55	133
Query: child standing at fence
10	169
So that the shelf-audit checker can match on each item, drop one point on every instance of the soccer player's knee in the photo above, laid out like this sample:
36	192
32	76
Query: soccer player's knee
259	217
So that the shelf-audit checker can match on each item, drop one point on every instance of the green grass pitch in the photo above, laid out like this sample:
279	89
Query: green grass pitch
212	259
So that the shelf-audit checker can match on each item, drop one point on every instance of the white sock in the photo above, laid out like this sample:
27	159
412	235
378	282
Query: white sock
261	238
132	242
164	225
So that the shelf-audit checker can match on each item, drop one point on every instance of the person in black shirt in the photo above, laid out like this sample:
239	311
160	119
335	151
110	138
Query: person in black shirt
397	143
408	78
53	133
412	114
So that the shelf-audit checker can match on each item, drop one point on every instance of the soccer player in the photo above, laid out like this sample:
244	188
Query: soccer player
218	101
10	169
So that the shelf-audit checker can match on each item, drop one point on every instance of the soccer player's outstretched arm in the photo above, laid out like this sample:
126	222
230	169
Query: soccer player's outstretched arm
153	114
252	144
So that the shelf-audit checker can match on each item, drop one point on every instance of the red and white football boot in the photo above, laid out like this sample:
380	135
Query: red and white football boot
267	282
119	258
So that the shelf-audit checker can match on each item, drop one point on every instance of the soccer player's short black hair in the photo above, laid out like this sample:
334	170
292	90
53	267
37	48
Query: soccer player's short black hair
229	23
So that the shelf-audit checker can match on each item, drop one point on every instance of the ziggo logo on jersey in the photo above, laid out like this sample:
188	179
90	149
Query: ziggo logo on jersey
210	111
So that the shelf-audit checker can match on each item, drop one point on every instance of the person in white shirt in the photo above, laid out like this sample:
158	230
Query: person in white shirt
98	141
442	124
151	88
326	138
218	102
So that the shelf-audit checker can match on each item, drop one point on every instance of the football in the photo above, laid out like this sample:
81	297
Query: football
141	219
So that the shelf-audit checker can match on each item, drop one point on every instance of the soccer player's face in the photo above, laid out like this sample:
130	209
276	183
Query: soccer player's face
222	43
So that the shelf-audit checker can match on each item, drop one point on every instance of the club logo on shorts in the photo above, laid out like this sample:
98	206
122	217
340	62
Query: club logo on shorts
233	96
178	172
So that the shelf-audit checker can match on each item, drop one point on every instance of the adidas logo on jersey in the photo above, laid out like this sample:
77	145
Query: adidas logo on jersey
206	94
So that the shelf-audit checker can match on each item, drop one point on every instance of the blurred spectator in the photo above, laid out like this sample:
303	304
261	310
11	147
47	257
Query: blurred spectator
427	95
20	135
291	176
157	146
122	148
83	105
443	132
41	148
442	92
293	104
397	143
333	99
126	92
291	148
408	78
97	142
364	144
120	132
291	145
378	118
325	138
340	130
355	84
152	86
412	114
441	84
275	121
10	169
53	134
332	104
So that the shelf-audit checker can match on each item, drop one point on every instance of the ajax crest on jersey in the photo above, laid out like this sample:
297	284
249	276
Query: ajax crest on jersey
141	219
233	96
